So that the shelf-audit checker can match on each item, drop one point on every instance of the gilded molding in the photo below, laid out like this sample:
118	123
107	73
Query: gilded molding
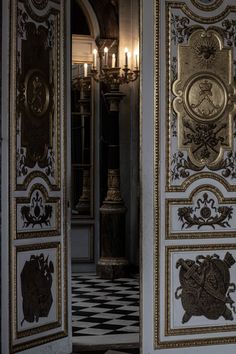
191	23
46	232
207	7
194	330
203	100
55	12
200	19
188	202
47	327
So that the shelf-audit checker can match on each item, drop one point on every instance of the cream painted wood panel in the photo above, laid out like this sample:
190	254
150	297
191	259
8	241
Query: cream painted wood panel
188	176
35	282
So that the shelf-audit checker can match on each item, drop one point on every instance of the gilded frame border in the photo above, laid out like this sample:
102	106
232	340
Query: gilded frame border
158	343
188	202
193	330
63	331
201	20
42	233
47	327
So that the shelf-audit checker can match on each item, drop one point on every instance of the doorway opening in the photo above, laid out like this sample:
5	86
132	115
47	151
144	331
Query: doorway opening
105	175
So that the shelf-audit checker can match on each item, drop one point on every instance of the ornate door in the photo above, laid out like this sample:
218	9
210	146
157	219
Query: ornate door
35	205
193	269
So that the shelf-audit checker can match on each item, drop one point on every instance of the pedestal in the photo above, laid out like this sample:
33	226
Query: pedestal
113	263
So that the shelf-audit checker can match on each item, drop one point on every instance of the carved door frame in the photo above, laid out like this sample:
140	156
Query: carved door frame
171	240
34	93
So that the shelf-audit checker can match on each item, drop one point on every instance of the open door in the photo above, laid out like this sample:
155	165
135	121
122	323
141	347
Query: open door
189	176
35	267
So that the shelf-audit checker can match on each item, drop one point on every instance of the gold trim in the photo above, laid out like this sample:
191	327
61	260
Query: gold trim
49	326
158	343
200	19
201	175
60	119
207	7
156	192
56	147
193	330
189	201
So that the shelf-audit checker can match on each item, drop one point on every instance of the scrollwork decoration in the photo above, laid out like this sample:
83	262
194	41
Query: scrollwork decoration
21	168
37	213
50	169
182	166
229	30
229	165
22	21
205	214
180	28
173	68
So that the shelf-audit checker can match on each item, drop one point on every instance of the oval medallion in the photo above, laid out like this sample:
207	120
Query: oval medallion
37	93
205	97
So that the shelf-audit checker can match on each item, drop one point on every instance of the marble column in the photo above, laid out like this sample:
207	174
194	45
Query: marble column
113	263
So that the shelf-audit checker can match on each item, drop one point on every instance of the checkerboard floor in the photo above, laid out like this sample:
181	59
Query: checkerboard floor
104	311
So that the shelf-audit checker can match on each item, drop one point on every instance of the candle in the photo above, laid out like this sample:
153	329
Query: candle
95	59
85	69
113	63
126	56
136	58
106	55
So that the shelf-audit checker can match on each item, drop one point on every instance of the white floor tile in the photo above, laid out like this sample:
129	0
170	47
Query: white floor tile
120	322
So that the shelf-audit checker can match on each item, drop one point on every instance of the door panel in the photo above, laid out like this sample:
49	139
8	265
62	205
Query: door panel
194	177
38	272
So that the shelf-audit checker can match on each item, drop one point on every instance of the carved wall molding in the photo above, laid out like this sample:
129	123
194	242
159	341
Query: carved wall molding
205	101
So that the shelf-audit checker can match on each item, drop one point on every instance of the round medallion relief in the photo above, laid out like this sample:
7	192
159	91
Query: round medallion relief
40	4
37	93
205	97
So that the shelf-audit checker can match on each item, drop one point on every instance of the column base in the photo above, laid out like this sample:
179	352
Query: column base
112	268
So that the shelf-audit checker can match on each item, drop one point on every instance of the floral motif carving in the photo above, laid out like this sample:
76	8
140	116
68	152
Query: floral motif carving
205	214
174	124
22	19
174	69
182	166
205	287
37	213
36	283
229	31
50	169
21	168
229	165
179	28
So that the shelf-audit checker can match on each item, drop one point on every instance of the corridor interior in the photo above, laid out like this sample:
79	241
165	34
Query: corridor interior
105	310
